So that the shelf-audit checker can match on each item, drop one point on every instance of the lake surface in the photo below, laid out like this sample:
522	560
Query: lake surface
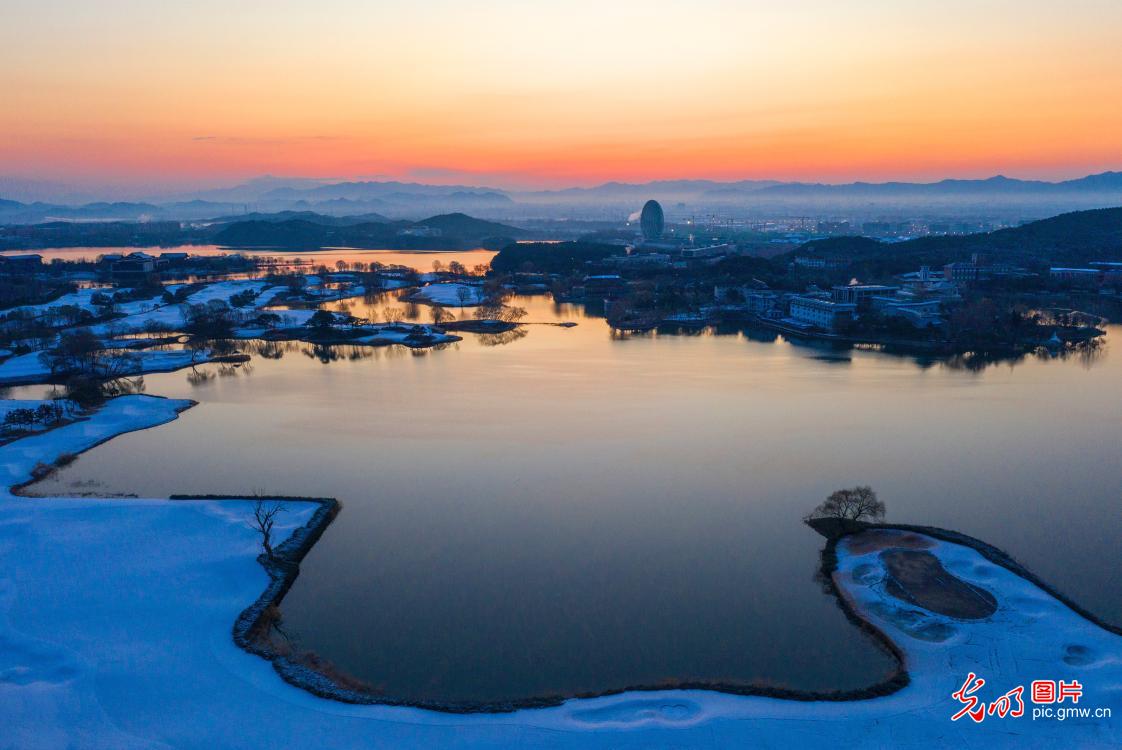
567	511
422	261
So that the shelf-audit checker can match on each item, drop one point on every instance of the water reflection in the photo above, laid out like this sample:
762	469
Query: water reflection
578	510
501	339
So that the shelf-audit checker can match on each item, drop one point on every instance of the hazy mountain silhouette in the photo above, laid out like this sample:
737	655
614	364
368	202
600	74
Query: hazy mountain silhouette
1002	196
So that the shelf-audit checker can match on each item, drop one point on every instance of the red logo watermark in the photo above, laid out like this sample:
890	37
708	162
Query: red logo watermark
1043	693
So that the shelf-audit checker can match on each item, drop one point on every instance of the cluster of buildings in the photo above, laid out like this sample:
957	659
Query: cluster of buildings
654	250
1106	275
130	268
920	299
20	264
979	268
138	266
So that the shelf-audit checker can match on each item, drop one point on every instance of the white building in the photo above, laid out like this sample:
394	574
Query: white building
857	293
713	251
821	313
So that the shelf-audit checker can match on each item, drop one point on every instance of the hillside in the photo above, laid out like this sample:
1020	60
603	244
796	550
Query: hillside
310	230
1068	239
468	227
304	233
309	216
550	257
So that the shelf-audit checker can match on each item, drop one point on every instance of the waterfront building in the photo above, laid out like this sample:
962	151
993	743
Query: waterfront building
920	313
134	267
821	313
859	293
747	298
20	263
606	286
761	302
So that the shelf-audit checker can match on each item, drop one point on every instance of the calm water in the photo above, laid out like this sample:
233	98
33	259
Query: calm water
422	261
568	511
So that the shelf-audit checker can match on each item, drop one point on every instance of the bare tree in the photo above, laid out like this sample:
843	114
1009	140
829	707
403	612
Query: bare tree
77	351
465	294
489	311
441	315
512	314
854	504
393	314
264	516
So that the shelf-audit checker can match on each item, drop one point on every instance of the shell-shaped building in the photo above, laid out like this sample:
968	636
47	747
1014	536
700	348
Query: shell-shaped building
651	221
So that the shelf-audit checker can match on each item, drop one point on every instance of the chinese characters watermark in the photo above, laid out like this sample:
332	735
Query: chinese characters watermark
1047	695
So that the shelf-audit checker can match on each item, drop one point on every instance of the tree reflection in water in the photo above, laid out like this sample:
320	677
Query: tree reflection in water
1085	353
203	374
501	339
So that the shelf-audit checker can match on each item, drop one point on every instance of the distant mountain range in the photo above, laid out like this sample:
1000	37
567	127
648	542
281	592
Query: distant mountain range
1105	182
1108	182
409	201
447	231
290	230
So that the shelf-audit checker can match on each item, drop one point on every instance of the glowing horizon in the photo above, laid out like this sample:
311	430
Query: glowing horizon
511	95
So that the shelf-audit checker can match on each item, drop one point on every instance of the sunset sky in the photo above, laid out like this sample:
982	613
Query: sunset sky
531	93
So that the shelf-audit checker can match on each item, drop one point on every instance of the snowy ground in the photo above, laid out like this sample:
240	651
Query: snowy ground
82	299
29	368
8	405
154	314
450	294
115	632
171	316
138	310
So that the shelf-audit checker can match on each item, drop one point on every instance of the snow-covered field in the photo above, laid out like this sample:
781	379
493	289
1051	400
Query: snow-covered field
115	632
29	368
83	299
157	315
171	316
451	293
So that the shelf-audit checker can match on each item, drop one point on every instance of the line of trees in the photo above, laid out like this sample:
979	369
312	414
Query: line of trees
23	419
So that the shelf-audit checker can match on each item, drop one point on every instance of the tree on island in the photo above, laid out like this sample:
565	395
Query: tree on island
81	354
264	517
77	351
854	504
499	311
322	319
211	320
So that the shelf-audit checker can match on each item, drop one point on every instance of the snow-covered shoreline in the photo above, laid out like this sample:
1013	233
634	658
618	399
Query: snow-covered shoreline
116	616
256	318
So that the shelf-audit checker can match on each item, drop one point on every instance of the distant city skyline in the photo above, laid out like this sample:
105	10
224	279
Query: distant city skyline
512	95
